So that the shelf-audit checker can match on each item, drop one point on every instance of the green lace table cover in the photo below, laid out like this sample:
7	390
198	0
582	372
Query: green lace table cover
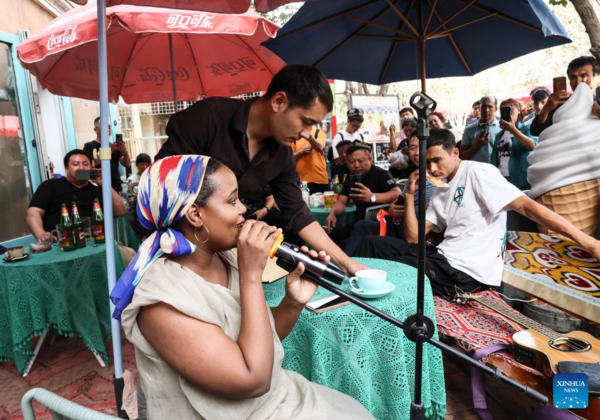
346	218
66	292
359	354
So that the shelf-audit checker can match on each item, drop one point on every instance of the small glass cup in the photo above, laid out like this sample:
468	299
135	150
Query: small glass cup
56	232
87	227
329	200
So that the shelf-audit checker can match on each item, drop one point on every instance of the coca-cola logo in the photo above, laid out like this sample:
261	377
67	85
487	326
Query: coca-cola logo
154	74
239	89
233	67
201	20
67	37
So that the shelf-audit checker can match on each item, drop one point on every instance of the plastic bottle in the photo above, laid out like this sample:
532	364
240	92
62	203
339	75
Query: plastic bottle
305	193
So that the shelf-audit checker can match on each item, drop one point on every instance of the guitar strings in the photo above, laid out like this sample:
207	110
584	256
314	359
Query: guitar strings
567	340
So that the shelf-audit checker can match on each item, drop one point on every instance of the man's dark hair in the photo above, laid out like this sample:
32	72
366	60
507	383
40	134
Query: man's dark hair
209	186
585	60
73	153
489	97
539	94
97	122
439	137
409	121
143	157
407	109
476	103
303	85
343	143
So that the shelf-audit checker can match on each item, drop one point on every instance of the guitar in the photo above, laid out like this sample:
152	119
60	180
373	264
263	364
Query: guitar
540	347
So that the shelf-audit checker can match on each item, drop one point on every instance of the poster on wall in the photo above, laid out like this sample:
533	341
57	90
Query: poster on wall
380	112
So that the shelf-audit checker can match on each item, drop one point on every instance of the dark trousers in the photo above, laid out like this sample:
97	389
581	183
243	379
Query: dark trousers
445	280
364	228
317	188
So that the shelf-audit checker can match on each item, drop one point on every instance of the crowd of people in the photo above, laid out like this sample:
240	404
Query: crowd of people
228	177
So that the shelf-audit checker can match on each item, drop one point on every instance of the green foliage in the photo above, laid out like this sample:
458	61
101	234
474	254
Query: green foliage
558	3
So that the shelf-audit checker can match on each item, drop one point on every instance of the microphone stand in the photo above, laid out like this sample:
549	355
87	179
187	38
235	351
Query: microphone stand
419	328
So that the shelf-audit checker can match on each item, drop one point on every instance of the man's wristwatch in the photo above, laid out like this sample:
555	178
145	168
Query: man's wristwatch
373	198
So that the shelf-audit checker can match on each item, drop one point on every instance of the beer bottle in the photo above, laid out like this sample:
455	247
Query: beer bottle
65	230
337	187
98	223
78	228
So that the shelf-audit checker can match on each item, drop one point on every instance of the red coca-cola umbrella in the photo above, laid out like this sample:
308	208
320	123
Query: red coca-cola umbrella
209	54
214	6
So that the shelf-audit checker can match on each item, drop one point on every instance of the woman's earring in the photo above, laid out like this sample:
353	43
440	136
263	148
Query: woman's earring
207	235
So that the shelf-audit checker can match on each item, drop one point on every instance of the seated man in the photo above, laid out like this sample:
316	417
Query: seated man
340	165
377	187
44	209
472	210
395	224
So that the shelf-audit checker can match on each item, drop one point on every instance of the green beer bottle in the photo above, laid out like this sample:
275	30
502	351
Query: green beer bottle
78	228
65	230
98	223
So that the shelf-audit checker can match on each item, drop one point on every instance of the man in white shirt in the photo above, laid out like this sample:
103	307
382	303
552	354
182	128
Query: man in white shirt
350	133
470	210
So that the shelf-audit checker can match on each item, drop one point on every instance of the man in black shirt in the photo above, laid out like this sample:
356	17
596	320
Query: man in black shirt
119	153
377	187
44	210
339	166
254	138
581	70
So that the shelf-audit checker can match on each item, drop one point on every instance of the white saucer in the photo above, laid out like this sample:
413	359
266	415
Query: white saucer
388	288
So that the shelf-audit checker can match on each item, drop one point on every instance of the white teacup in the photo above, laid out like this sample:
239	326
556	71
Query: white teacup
15	252
369	281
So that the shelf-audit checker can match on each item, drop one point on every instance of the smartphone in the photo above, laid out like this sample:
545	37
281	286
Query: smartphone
85	175
353	180
484	129
325	304
505	112
559	83
119	138
400	200
598	94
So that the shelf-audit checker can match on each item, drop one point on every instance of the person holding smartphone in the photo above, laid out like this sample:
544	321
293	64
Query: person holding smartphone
513	144
478	138
119	154
584	69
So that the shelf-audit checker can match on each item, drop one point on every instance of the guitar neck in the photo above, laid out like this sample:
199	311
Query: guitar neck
519	318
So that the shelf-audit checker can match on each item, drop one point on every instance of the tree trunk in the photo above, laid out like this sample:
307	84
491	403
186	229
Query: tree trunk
592	25
383	89
363	89
350	90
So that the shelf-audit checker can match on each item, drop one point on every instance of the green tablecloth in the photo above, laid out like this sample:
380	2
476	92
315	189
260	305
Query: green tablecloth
346	218
357	353
62	291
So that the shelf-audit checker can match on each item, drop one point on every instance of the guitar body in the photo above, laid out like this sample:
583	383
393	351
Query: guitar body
535	350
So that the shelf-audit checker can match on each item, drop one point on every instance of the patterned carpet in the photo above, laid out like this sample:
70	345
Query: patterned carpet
68	369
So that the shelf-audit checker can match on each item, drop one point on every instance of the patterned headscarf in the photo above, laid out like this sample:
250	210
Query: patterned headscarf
166	191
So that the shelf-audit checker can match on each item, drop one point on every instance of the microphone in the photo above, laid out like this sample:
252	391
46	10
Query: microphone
288	257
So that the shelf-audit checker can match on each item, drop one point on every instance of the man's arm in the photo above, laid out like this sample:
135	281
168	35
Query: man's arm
36	224
543	120
467	152
318	144
315	236
301	153
542	215
118	205
125	159
411	223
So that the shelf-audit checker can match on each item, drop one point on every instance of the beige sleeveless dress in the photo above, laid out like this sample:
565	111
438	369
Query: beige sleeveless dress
170	396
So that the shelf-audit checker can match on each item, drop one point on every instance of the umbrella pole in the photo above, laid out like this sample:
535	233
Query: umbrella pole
105	155
423	64
173	79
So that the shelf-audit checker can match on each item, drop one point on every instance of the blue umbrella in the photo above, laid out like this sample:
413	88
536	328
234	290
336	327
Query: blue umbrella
384	41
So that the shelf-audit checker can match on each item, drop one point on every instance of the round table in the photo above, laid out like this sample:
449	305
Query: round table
66	292
346	218
359	354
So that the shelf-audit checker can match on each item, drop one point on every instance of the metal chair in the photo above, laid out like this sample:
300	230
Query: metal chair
60	408
371	213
